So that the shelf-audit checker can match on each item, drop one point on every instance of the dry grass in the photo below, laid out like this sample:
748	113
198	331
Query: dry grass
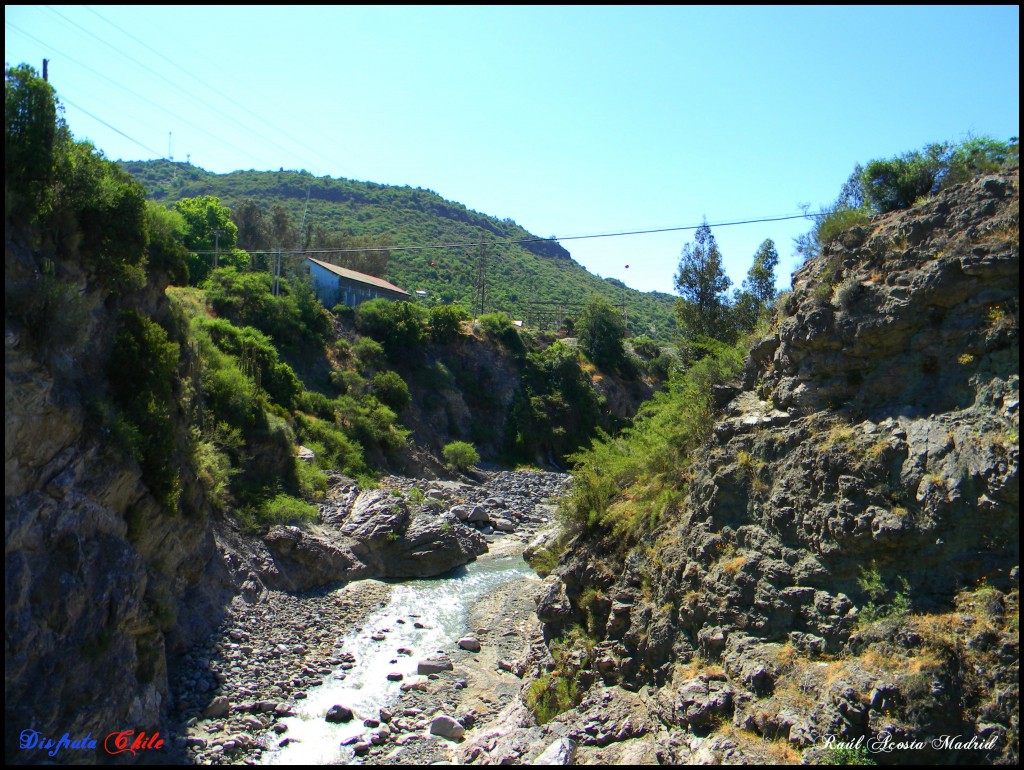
732	566
841	434
1007	234
698	666
876	450
787	657
758	749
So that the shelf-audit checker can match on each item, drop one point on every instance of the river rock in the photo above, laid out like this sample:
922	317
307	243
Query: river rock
433	666
446	727
339	714
414	683
218	707
560	752
470	643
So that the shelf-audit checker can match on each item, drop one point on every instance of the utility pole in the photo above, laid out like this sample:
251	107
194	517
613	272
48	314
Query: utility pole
302	228
277	271
216	249
46	70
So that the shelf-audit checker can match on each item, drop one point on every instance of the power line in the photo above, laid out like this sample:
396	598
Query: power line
189	93
552	239
221	94
174	115
100	120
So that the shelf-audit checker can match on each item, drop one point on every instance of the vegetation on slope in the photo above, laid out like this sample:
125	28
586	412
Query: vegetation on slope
885	185
213	392
269	208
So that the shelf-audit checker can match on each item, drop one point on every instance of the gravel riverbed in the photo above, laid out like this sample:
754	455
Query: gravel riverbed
233	695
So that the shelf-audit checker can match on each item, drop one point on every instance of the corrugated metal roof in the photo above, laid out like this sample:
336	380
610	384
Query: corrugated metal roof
352	275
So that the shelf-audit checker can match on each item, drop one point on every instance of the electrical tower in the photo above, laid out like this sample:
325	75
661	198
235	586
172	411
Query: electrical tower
480	291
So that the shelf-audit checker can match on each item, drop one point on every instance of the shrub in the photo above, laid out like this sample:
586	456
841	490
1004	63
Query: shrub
645	347
292	318
256	356
838	221
369	352
390	389
494	324
446	322
398	326
847	755
280	509
311	479
551	694
333	448
979	155
622	483
876	608
213	468
143	368
896	183
460	455
600	329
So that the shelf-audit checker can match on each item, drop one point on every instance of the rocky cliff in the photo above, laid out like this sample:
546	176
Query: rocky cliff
842	574
102	581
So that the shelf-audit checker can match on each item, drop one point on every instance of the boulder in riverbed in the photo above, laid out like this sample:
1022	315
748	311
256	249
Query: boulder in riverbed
339	714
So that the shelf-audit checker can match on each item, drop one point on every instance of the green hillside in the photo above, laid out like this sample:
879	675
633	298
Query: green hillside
520	277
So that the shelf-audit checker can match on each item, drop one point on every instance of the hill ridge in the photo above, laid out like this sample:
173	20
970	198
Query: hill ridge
518	274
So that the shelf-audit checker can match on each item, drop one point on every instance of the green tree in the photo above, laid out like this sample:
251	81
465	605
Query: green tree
898	182
108	211
760	280
167	250
600	330
204	218
398	326
282	232
143	369
253	228
758	289
31	125
702	308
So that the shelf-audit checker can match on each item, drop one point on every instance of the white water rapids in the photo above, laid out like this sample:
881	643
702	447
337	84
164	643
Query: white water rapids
441	605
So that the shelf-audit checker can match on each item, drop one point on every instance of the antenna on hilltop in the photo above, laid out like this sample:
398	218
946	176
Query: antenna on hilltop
170	155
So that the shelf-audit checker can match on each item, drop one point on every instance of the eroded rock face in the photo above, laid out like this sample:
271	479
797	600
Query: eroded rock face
97	573
379	535
868	457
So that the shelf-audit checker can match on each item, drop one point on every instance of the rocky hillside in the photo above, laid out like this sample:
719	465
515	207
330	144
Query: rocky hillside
844	564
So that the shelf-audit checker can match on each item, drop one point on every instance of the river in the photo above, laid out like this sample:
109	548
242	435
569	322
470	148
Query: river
439	606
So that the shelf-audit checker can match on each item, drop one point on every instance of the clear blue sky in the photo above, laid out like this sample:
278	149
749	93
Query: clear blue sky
569	120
